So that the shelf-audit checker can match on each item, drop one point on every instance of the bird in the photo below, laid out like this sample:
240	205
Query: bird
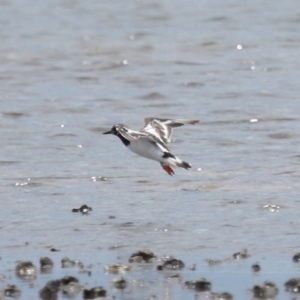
151	141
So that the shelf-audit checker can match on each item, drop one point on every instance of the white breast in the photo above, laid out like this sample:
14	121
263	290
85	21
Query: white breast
146	149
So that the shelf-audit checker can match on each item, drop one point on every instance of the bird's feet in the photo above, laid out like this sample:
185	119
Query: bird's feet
168	169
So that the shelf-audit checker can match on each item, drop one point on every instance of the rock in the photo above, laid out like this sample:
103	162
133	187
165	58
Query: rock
296	257
221	296
265	291
144	255
12	291
26	270
118	283
50	290
68	263
171	264
68	285
117	268
94	293
68	279
293	285
256	268
46	264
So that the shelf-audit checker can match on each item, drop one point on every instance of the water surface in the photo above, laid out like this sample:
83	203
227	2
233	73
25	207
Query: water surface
71	69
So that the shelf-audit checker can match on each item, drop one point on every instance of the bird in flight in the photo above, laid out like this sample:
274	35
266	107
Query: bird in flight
151	141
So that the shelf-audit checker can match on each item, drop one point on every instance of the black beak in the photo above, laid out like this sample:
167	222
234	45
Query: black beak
108	132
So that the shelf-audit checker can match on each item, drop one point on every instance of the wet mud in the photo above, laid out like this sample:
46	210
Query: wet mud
146	275
83	218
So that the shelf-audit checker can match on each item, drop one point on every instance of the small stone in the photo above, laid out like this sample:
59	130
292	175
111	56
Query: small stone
222	296
256	268
172	264
144	255
54	250
46	263
86	272
94	293
241	255
68	279
118	283
200	285
117	268
213	262
136	259
175	276
296	257
84	209
69	285
50	290
68	263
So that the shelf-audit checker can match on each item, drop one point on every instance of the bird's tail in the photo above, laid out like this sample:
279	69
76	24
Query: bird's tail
183	164
175	161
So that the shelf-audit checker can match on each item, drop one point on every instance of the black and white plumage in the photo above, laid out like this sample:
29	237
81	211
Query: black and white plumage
151	141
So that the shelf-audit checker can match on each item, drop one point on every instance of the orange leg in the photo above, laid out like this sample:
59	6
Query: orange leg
168	169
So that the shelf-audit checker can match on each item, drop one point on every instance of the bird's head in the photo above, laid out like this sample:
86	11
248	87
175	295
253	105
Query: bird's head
117	130
114	130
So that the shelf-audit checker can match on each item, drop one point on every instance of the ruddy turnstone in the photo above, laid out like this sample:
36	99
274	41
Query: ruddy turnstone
151	141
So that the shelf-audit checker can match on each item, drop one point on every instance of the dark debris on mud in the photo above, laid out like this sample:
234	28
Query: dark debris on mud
84	209
144	255
46	265
69	286
69	263
296	257
171	268
293	285
199	285
94	293
243	254
118	283
11	291
256	268
119	268
171	264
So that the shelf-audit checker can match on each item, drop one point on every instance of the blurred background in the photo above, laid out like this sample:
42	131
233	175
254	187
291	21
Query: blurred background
71	69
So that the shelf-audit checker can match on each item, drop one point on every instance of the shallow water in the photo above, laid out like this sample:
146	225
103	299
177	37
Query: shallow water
71	69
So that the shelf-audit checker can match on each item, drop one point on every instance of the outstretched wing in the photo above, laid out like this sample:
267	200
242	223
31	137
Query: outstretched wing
161	129
129	134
